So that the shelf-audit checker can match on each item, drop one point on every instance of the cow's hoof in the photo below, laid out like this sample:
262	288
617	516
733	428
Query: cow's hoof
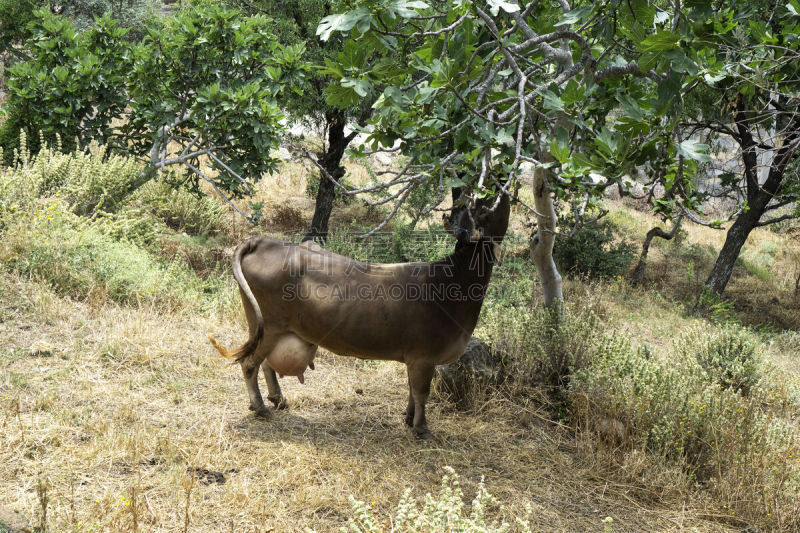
279	402
263	411
424	434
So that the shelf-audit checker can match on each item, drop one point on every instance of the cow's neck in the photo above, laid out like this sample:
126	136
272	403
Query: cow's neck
471	269
473	263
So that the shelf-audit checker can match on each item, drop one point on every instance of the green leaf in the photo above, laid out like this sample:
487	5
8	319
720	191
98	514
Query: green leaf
575	16
496	5
341	22
607	141
660	41
668	92
573	93
692	149
561	153
551	101
630	108
360	87
406	8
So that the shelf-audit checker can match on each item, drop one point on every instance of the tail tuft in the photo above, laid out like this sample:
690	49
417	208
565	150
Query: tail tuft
224	352
239	354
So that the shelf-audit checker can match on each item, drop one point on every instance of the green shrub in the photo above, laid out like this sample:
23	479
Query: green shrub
544	346
593	251
445	512
90	181
728	357
131	224
182	210
53	245
739	448
716	308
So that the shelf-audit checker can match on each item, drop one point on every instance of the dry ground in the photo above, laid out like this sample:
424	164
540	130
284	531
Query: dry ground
123	412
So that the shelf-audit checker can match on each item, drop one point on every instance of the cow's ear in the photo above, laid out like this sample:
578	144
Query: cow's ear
482	215
448	226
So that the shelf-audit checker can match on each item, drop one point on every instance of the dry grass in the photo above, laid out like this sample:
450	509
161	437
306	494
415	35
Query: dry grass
679	272
124	414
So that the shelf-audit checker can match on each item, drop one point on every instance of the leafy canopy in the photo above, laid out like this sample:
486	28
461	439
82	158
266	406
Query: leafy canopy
474	91
199	91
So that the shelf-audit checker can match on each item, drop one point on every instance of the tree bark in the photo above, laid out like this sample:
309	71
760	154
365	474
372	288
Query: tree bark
734	240
541	243
331	162
758	198
638	272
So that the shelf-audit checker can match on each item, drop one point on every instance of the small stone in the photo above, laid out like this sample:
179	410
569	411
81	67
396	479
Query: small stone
478	369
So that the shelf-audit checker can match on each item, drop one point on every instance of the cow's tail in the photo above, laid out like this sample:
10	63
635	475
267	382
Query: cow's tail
249	347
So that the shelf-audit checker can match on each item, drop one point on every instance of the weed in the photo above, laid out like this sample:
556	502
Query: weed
287	218
442	513
593	251
80	261
181	210
728	357
686	409
544	346
42	487
715	308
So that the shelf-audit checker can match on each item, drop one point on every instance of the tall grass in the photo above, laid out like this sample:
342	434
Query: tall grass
75	222
708	405
688	408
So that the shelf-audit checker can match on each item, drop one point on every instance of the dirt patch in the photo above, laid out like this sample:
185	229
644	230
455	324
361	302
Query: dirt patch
12	522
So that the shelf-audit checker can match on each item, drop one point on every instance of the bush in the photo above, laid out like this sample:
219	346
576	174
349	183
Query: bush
593	251
728	357
55	229
54	246
544	346
182	210
443	513
739	448
287	218
90	181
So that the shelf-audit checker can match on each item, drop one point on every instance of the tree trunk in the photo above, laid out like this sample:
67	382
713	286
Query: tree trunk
758	198
638	273
735	239
541	243
331	162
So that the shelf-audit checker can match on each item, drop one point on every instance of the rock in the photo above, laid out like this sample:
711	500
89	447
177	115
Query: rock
465	381
284	153
383	158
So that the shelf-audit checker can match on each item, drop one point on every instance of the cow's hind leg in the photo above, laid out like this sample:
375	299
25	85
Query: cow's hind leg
251	364
419	380
273	387
250	372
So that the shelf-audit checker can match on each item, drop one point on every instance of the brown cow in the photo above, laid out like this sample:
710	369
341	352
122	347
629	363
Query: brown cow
299	297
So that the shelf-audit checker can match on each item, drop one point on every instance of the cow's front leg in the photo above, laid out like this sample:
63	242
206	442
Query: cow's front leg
274	393
250	372
410	406
419	380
